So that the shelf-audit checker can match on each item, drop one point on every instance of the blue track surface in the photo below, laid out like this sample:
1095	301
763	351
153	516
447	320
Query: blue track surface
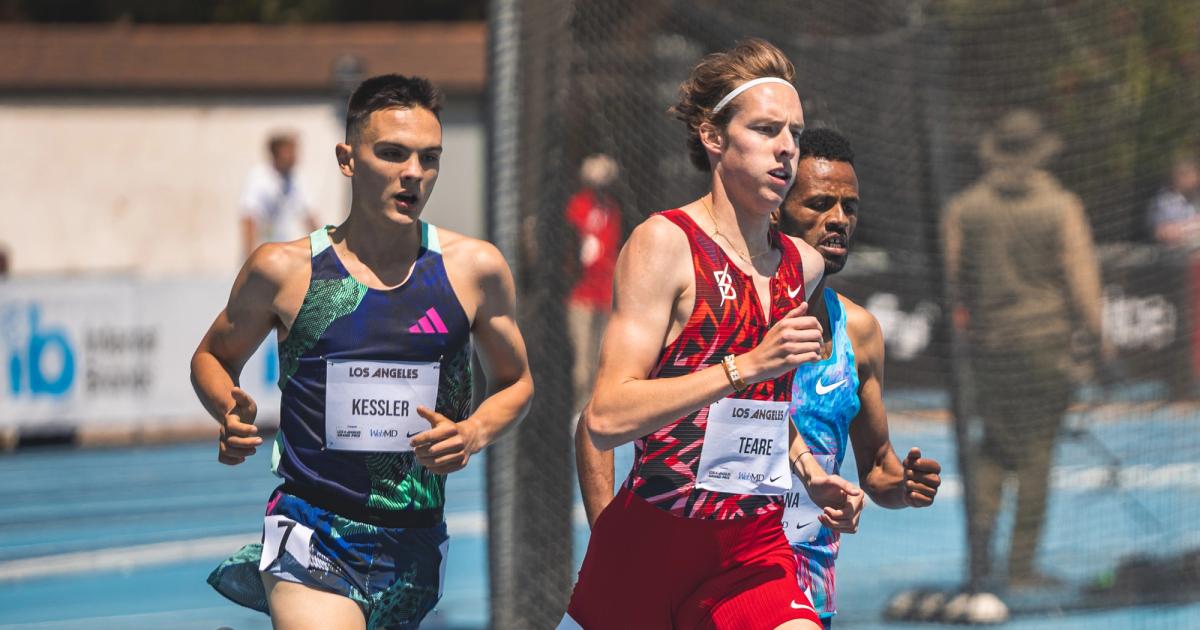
64	505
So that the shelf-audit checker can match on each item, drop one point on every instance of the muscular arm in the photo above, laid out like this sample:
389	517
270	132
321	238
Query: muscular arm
879	469
883	476
239	329
653	272
263	290
595	470
501	349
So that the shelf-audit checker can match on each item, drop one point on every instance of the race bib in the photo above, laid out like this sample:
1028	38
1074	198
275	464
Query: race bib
800	513
372	405
745	448
283	535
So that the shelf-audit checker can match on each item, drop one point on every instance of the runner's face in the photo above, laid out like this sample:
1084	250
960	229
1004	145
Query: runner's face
396	161
758	159
822	209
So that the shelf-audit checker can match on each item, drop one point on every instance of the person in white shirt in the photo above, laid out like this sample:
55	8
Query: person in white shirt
274	206
1174	215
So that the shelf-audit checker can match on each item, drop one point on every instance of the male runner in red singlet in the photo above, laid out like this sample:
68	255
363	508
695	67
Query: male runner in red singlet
708	325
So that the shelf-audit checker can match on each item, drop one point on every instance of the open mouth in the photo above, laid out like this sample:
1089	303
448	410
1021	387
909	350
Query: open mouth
780	173
407	198
834	244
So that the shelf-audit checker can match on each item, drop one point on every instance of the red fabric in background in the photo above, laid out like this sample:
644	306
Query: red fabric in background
597	220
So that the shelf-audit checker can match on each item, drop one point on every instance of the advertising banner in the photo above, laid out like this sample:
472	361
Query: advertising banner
85	351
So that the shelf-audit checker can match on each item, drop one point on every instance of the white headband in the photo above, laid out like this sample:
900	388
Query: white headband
746	86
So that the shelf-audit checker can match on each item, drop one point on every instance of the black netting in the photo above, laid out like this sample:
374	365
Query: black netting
916	86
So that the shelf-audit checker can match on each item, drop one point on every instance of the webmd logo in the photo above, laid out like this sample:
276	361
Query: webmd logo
40	358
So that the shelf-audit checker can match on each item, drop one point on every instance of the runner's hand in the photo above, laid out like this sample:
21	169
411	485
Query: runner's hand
842	501
793	340
922	476
239	436
446	446
844	518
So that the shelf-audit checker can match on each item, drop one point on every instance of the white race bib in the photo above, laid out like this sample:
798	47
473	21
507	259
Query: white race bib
800	513
745	448
282	534
372	405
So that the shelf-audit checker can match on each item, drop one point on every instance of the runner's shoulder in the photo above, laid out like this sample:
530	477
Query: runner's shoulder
861	325
814	263
657	237
470	256
279	263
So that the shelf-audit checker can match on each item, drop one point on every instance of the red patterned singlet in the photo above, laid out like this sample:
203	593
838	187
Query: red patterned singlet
727	319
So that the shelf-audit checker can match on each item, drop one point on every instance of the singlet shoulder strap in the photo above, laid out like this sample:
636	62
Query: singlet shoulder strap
688	225
784	244
680	218
319	240
429	238
833	304
838	321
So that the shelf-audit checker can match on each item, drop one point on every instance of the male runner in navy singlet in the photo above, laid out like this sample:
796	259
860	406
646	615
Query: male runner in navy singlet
375	319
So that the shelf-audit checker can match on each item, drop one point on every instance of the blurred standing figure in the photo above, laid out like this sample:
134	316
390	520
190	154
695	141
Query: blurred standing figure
1022	277
1173	216
274	206
596	217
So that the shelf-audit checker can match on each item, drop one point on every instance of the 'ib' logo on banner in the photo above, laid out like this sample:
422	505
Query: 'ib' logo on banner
40	359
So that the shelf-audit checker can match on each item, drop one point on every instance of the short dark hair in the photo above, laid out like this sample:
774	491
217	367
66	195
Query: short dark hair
824	143
279	140
387	91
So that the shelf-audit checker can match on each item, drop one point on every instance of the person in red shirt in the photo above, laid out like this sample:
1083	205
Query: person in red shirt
596	217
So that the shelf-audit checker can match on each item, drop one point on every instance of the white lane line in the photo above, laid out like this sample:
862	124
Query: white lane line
460	524
122	558
182	619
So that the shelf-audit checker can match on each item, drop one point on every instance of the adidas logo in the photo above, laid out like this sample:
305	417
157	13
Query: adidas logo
429	323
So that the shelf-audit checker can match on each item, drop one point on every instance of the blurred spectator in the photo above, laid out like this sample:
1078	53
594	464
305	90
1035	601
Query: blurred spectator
1173	216
596	217
274	206
1023	276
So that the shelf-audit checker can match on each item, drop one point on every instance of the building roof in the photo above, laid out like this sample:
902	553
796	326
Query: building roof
235	57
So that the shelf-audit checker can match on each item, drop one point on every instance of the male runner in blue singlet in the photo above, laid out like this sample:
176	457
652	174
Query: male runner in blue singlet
375	319
840	396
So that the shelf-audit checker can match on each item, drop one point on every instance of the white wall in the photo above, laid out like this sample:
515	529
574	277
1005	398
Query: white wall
150	184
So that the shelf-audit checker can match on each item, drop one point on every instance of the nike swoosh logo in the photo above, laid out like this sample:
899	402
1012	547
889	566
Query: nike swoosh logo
412	434
825	389
796	606
774	479
792	293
